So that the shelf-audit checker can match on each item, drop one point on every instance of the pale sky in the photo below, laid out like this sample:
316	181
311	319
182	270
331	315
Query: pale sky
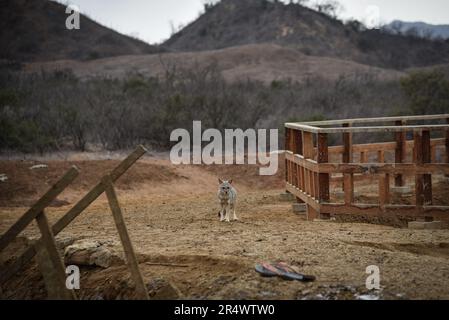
152	20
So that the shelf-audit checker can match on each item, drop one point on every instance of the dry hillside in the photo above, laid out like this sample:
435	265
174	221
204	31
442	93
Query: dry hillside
34	30
263	62
239	22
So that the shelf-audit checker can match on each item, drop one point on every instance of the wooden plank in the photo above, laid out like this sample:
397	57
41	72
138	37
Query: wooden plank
304	196
348	183
386	146
400	152
307	145
125	239
418	159
347	146
385	129
381	156
348	179
379	168
427	178
363	157
298	142
378	119
437	212
74	212
384	189
51	264
286	147
38	207
323	179
447	145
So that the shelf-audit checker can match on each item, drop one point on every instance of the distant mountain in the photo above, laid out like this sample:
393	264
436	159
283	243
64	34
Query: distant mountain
34	30
420	28
239	22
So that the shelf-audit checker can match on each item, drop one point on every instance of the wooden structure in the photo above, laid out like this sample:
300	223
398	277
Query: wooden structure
311	164
49	261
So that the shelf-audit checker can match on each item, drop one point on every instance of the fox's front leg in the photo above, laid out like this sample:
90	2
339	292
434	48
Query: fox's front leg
228	213
222	213
234	216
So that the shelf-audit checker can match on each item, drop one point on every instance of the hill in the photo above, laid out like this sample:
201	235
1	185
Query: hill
238	22
262	62
34	30
421	29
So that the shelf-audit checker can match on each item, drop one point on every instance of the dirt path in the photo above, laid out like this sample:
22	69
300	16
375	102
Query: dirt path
175	221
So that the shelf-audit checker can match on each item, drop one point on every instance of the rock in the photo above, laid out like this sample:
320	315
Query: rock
405	191
39	166
161	289
421	225
299	208
88	253
287	197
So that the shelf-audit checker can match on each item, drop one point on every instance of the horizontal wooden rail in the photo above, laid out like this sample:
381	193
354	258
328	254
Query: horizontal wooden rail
417	128
386	146
373	120
381	168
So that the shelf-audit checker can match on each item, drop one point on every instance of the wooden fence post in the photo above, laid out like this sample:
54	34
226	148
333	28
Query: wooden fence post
308	153
297	149
423	182
384	182
125	239
51	264
348	179
323	178
400	152
447	145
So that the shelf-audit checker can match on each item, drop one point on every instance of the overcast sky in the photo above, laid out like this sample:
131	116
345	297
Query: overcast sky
152	20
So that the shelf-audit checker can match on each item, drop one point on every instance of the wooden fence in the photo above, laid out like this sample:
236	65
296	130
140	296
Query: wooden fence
49	261
312	165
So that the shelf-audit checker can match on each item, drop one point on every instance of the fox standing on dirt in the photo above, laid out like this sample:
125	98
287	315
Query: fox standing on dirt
227	196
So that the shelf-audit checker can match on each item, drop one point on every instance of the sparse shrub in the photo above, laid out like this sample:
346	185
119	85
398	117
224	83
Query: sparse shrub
427	92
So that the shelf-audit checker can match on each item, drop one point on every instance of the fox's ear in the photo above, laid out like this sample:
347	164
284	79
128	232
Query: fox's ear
230	181
220	181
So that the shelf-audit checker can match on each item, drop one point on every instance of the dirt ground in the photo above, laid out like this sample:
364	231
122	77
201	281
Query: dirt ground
171	215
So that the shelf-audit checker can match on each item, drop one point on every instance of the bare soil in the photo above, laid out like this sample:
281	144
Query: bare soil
171	214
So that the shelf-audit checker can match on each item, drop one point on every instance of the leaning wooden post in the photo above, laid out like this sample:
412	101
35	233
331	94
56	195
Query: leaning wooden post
125	239
79	207
38	207
400	152
51	264
323	178
348	178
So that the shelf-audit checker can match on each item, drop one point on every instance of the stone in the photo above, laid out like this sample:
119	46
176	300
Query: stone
421	225
401	190
299	208
341	194
88	253
161	289
287	197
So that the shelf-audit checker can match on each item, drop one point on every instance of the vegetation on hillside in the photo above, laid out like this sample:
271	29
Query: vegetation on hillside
55	111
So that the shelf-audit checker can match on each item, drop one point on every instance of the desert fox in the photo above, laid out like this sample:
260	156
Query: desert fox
227	196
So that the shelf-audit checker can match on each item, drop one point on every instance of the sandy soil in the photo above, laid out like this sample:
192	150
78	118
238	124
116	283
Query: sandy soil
171	214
